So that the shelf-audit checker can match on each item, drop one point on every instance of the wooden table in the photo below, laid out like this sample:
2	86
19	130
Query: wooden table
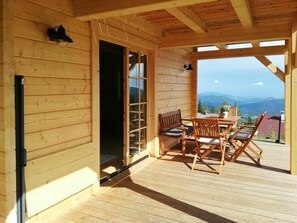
225	123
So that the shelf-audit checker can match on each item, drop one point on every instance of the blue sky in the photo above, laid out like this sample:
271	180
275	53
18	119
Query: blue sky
244	77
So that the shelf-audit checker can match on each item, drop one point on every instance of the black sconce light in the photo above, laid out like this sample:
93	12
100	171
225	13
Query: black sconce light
57	34
188	67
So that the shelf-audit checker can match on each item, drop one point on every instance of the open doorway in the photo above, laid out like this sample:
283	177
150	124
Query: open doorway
111	108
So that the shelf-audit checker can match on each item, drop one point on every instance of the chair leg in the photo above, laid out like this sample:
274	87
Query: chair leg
161	152
183	146
194	162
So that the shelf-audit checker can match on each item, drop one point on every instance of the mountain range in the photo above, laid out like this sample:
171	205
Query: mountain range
251	106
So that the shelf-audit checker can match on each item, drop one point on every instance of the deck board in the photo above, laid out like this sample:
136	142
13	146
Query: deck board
166	190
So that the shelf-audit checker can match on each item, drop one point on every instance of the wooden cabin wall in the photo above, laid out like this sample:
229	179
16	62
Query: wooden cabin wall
174	88
62	159
7	142
59	86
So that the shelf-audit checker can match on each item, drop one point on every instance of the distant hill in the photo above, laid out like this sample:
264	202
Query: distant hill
252	106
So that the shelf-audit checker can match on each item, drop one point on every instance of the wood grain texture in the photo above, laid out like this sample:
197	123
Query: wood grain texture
48	179
164	191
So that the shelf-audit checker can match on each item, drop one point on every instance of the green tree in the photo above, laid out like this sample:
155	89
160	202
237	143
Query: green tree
213	110
205	109
200	107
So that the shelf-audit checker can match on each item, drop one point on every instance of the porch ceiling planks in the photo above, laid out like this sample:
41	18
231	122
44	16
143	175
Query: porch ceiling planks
189	18
96	9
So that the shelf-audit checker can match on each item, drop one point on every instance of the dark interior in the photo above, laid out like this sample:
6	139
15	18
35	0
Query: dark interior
111	108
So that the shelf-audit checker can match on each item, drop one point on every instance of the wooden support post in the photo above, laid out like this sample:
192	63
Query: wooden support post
293	98
288	69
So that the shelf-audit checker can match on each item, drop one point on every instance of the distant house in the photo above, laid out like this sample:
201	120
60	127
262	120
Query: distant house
269	127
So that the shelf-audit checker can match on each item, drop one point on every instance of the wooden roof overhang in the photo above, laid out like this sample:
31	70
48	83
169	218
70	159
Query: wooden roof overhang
192	23
196	23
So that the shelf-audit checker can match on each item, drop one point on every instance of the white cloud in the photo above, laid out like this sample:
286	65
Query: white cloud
215	81
260	84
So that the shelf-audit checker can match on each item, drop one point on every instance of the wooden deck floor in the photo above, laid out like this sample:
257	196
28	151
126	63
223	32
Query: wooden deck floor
166	190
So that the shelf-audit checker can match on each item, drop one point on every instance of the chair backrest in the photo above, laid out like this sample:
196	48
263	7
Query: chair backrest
260	119
206	128
233	111
170	120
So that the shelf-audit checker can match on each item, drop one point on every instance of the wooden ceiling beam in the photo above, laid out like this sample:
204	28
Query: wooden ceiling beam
246	52
273	32
273	68
244	12
97	9
189	18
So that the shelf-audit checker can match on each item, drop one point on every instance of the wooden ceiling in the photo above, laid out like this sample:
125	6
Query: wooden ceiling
191	23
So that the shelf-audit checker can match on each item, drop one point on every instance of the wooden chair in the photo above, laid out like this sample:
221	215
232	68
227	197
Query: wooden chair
233	111
209	140
242	142
171	125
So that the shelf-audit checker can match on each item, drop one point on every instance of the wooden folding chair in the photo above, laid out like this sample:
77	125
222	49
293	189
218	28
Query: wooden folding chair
209	141
241	141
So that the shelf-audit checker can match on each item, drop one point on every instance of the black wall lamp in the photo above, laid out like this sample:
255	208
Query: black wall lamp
57	34
188	67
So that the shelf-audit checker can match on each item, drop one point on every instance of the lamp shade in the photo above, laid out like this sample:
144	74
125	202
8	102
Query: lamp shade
58	34
188	67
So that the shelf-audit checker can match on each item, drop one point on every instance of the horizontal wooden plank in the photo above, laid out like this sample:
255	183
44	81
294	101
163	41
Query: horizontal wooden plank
39	166
31	11
38	32
258	51
102	9
173	79
54	86
31	155
55	69
45	121
107	32
50	51
172	87
131	29
62	6
39	140
42	104
225	37
48	179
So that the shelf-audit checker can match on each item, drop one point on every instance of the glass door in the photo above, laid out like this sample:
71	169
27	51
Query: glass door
138	105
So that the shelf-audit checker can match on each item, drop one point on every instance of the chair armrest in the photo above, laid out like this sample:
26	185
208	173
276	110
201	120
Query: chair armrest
187	119
181	128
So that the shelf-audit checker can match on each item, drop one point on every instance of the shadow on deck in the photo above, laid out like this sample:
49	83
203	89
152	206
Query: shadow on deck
166	190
